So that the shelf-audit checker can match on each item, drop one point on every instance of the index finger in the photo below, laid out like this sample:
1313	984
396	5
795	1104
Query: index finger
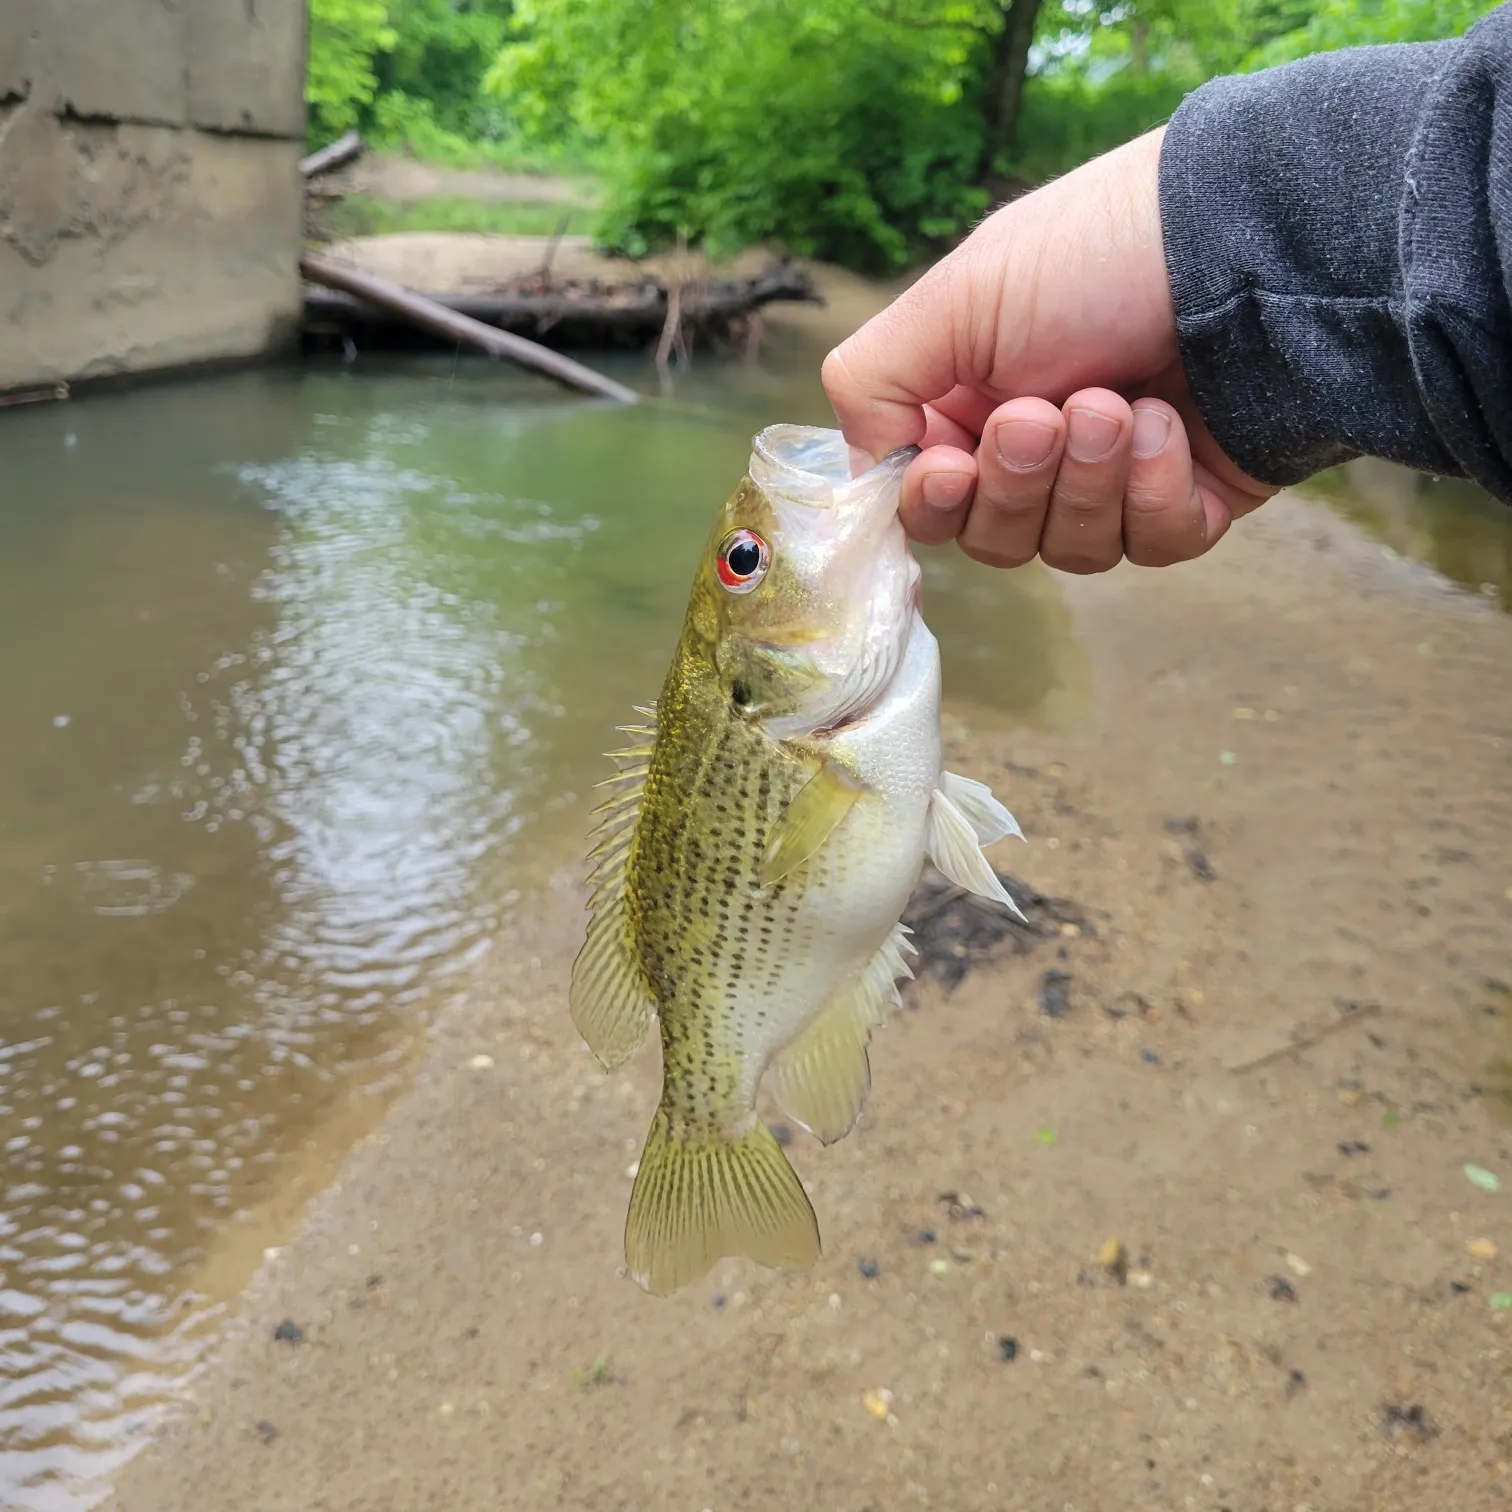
880	378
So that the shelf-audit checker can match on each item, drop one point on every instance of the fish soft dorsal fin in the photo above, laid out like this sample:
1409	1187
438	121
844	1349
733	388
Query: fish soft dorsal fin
612	1003
821	1080
809	820
955	844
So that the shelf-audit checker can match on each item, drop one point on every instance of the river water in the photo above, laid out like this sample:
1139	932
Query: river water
305	677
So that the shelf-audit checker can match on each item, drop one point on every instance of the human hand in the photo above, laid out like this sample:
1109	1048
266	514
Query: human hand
1013	361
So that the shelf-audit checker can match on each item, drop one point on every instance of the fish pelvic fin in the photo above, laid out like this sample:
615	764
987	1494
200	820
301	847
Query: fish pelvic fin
981	810
821	1080
702	1194
955	846
612	1003
808	821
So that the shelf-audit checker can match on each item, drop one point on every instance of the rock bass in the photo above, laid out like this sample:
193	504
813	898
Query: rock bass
771	820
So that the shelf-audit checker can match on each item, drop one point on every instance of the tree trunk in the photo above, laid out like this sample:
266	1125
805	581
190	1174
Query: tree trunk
1005	79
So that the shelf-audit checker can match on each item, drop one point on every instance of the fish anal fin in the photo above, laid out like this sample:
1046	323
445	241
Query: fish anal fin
701	1195
808	821
979	808
821	1080
956	851
612	1003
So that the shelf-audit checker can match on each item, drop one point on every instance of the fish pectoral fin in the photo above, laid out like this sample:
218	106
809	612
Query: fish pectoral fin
612	1003
821	1080
956	851
702	1195
981	810
809	820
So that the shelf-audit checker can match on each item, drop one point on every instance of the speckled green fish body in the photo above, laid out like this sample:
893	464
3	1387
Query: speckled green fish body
770	822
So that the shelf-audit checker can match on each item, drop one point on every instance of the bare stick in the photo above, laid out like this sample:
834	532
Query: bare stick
436	317
1307	1041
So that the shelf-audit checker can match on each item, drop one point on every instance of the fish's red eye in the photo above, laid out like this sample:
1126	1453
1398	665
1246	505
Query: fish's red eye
742	561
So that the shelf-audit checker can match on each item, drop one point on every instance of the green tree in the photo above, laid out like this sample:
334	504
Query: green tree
346	36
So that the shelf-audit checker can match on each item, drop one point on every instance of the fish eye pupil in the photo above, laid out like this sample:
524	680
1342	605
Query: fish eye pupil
744	558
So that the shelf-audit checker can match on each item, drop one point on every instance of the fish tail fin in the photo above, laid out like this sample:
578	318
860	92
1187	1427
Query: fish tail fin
702	1195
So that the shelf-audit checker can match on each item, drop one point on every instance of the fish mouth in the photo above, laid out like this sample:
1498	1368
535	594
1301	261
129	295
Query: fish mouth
812	465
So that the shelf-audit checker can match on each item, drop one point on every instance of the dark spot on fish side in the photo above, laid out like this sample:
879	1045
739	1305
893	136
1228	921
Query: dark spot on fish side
289	1332
782	1134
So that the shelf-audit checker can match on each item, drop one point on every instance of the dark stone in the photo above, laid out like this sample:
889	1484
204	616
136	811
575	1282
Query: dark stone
1281	1290
1055	993
1202	868
289	1332
1008	1348
869	1268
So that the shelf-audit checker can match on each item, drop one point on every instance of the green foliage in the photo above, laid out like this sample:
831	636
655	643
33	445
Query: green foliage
1356	23
365	215
834	126
846	129
345	38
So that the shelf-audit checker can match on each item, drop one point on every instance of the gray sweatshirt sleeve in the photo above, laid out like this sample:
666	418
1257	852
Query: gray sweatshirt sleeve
1338	234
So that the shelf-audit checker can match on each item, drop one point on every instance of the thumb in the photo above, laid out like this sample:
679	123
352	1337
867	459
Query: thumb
879	379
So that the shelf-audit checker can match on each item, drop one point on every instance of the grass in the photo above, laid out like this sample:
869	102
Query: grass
365	215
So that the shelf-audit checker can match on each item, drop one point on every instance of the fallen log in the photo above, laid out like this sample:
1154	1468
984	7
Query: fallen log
343	150
456	326
583	311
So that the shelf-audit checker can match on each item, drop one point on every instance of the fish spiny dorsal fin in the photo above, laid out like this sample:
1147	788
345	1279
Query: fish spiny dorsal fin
954	845
702	1193
821	1080
612	1003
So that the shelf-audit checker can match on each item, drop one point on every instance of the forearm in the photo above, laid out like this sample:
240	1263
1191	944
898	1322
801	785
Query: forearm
1339	239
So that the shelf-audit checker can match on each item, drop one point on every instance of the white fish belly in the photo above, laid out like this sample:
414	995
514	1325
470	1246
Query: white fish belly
861	880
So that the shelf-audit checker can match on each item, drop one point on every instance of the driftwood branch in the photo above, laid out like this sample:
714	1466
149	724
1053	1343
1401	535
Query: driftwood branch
585	310
342	151
458	326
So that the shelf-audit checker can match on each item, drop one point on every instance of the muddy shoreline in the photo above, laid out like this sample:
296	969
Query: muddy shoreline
1210	1242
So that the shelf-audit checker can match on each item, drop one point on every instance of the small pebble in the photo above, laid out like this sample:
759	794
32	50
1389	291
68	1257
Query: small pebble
1142	1279
1149	1057
1298	1266
536	1240
869	1268
1227	758
1481	1249
878	1402
1114	1259
1487	1181
1281	1290
265	1430
481	1063
289	1332
939	1267
1008	1348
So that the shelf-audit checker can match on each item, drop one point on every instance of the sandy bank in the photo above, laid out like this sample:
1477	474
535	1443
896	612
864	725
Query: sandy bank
1293	792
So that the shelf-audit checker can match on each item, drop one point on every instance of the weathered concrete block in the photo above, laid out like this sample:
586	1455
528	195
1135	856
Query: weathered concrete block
121	59
19	26
247	65
168	248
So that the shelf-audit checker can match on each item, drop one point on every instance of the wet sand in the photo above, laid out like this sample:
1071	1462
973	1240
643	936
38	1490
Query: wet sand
1286	819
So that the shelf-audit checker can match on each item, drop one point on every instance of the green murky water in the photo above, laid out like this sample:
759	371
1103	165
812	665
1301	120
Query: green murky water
304	680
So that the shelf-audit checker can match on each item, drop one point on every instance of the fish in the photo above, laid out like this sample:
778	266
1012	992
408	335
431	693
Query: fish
766	826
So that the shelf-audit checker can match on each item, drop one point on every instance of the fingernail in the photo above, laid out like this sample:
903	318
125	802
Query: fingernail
1022	444
1151	427
945	490
1089	435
